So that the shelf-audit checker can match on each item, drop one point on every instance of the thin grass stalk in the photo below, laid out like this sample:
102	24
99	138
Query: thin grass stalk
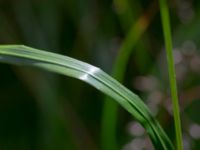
171	68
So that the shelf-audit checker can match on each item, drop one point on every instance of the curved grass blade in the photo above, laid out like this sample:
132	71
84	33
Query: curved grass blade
23	55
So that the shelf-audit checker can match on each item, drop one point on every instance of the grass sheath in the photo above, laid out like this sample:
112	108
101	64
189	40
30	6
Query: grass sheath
26	56
172	75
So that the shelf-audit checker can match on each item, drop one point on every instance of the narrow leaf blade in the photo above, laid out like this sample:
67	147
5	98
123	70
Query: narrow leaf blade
23	55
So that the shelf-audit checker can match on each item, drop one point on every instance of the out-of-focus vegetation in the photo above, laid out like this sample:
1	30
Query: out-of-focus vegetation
45	111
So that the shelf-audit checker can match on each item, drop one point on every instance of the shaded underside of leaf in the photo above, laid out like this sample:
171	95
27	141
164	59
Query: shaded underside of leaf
23	55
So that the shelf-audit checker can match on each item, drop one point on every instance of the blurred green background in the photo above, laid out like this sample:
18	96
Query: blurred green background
44	111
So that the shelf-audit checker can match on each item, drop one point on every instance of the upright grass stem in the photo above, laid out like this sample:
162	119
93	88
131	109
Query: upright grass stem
172	75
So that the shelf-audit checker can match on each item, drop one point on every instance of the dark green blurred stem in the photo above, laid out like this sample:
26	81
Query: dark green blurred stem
109	118
53	124
55	132
125	13
172	75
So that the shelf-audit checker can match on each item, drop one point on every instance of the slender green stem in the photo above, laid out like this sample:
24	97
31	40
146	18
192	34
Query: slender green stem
172	75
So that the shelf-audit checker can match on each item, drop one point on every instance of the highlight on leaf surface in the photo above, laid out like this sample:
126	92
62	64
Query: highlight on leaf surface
26	56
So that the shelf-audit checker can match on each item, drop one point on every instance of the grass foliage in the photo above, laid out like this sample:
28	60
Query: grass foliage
22	55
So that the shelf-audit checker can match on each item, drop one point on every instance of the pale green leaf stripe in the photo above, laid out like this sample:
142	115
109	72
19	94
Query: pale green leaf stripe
23	55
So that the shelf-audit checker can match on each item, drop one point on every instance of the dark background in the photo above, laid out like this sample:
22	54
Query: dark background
41	110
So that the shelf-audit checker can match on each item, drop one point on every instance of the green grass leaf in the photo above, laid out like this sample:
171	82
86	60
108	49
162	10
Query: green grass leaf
23	55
